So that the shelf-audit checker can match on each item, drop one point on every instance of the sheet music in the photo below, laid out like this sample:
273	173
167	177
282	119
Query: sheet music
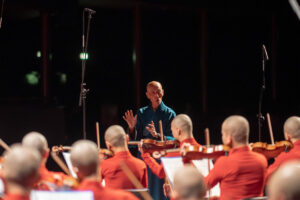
66	156
172	164
68	195
202	166
1	188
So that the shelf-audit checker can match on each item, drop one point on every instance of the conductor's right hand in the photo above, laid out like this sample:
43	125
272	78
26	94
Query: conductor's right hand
130	119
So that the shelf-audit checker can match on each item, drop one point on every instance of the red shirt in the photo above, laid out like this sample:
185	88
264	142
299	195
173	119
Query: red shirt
105	193
115	177
16	197
241	174
293	154
157	168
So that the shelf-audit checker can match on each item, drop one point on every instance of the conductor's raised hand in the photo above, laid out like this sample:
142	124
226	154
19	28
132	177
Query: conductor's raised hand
151	128
130	119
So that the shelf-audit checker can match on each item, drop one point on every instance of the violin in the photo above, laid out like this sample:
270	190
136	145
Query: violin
55	181
274	149
150	145
193	152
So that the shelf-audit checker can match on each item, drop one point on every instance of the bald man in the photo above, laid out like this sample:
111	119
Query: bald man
284	184
20	171
116	141
145	125
38	142
241	174
85	160
188	184
182	130
291	131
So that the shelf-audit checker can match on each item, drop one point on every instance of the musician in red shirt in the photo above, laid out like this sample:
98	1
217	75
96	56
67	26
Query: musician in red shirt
182	130
116	141
49	180
291	130
241	174
85	161
20	171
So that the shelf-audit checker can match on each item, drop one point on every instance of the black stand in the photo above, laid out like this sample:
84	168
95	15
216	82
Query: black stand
260	116
83	90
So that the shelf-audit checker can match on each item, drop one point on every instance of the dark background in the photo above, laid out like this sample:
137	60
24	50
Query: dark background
207	55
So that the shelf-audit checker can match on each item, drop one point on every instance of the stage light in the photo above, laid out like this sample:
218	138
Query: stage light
62	77
38	54
134	57
32	78
84	56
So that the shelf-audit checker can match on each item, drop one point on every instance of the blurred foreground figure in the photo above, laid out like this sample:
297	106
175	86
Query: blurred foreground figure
188	184
85	160
285	183
116	140
20	172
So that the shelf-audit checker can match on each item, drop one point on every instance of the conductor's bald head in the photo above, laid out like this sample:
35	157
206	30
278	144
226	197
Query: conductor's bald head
284	183
237	127
115	136
21	165
84	157
37	141
189	184
291	127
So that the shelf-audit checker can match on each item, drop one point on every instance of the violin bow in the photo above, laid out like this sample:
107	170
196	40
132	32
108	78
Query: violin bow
98	135
135	181
4	145
207	141
161	131
270	128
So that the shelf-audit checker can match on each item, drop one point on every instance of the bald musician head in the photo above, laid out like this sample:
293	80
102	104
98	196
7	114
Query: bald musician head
116	138
21	169
37	141
182	127
291	129
154	93
85	159
188	184
235	131
284	184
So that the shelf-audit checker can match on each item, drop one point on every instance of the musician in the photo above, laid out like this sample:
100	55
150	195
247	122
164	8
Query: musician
241	174
182	129
284	184
291	131
38	142
20	171
145	125
85	160
116	141
188	184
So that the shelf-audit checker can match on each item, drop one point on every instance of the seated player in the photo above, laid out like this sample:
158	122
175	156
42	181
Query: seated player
116	141
291	131
182	130
284	184
241	174
20	171
85	161
48	178
188	184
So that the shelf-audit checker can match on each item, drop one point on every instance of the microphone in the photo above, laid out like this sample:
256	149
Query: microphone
265	53
92	12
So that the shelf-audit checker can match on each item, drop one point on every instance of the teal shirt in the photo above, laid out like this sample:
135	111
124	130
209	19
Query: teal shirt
146	114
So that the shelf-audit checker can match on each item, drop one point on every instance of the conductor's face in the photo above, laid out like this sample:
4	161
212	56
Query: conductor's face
154	94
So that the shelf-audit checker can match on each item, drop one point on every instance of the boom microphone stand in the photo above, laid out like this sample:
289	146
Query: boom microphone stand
83	90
